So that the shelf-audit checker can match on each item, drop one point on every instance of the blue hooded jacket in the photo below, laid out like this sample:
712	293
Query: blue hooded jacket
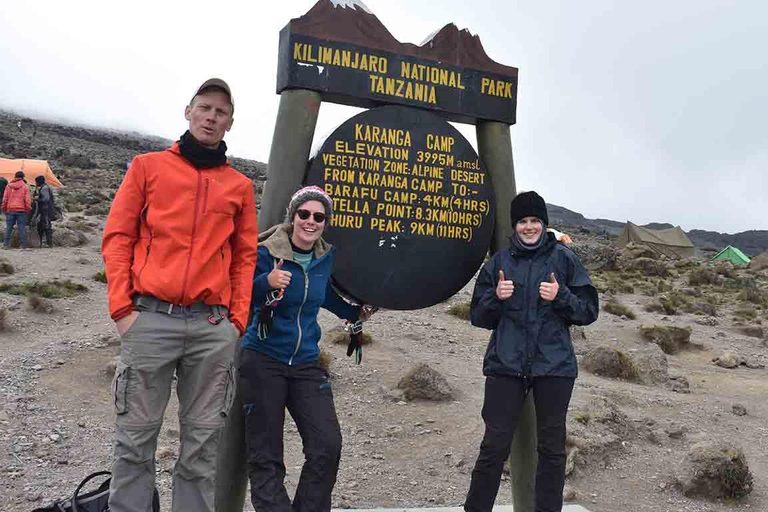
530	335
295	332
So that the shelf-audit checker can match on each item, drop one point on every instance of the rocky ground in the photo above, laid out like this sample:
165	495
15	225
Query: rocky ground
630	430
653	411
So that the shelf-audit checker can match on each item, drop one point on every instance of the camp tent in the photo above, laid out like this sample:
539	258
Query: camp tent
31	168
671	242
732	254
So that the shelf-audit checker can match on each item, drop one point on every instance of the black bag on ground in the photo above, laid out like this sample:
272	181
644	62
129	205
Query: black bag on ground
93	501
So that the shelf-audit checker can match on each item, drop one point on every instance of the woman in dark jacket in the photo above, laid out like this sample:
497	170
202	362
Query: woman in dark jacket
279	367
528	295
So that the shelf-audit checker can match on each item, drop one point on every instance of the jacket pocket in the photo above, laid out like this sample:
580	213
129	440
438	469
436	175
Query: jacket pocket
215	199
120	388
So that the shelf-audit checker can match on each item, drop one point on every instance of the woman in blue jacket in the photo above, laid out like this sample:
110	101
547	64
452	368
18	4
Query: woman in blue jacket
528	295
279	367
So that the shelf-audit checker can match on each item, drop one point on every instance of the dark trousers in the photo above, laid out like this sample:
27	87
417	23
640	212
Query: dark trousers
501	411
268	387
44	226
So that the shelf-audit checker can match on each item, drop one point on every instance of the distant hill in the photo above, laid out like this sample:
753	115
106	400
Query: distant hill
72	150
751	242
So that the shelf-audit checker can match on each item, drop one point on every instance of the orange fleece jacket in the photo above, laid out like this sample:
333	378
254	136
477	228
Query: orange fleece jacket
182	235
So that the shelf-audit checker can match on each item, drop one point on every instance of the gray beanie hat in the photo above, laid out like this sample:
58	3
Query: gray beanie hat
311	193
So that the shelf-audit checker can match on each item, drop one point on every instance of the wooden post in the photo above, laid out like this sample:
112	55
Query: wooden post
495	148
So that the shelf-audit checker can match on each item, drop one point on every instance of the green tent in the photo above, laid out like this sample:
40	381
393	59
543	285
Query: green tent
732	254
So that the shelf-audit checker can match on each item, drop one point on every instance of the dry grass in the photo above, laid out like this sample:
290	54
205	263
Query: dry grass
745	313
701	276
460	310
52	289
614	307
338	336
6	267
325	360
671	339
3	319
39	304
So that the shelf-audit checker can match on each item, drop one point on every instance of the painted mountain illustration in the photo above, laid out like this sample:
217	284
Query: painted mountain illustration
352	22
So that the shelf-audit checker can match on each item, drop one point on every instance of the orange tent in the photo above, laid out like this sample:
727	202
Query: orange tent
31	168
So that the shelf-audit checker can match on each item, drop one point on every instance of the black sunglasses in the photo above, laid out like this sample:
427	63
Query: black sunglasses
304	215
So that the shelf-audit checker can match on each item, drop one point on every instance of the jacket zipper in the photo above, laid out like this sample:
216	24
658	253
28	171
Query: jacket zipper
192	239
527	369
298	318
205	197
144	214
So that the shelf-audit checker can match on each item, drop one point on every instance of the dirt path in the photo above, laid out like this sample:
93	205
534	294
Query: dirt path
56	417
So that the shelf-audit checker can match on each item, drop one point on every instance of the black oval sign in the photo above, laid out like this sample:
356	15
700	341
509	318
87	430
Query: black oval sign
413	207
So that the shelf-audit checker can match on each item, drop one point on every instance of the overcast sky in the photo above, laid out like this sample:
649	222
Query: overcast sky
643	111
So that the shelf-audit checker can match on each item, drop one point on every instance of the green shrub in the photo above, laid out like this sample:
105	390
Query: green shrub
53	289
614	307
740	283
100	276
582	417
747	312
460	310
753	295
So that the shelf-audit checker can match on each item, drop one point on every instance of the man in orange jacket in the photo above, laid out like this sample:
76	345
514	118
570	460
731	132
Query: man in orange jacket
17	203
180	249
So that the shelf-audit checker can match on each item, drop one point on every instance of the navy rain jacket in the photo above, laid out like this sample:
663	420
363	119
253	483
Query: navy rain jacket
295	332
530	335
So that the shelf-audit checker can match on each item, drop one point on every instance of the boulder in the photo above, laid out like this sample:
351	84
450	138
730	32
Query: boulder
609	362
426	383
671	339
704	308
728	360
650	365
679	384
715	470
579	339
707	320
65	237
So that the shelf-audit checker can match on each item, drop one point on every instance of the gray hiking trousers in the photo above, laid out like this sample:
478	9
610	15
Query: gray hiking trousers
201	354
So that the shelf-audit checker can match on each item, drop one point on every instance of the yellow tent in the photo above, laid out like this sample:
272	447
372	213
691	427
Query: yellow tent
31	169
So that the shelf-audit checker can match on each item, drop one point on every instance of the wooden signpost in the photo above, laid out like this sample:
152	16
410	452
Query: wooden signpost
416	209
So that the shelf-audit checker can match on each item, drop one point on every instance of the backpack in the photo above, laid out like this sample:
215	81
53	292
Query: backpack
93	501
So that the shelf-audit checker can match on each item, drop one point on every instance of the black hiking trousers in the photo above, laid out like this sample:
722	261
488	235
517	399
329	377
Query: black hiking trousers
502	406
268	387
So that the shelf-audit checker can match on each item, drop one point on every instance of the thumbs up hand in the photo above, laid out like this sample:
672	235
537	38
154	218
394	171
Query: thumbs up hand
548	290
504	288
279	279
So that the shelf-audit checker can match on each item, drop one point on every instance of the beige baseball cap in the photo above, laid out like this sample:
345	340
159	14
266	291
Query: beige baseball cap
216	82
